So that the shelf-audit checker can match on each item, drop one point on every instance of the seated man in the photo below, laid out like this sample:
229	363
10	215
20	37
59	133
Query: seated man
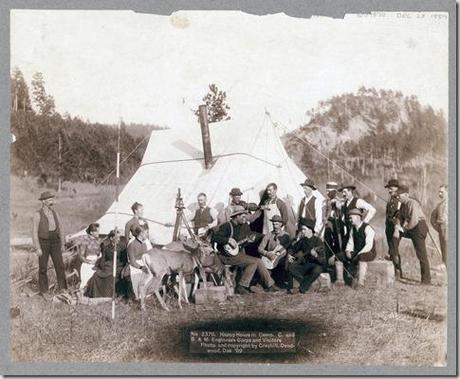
233	235
359	250
273	247
306	255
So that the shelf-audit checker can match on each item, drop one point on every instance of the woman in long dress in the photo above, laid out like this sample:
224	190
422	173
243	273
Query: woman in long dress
89	251
101	283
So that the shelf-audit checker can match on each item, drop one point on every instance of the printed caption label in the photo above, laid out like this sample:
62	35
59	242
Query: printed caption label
216	342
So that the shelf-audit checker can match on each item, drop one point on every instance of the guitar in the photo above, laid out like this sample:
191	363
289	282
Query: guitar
280	252
233	251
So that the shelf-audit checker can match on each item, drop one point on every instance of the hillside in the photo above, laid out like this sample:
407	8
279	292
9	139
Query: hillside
372	134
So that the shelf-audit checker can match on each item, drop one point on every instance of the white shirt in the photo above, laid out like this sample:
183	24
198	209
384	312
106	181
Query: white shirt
362	204
319	202
370	234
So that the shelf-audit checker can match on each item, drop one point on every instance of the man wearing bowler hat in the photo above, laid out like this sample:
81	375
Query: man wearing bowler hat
235	200
350	201
230	235
391	218
412	225
312	206
359	250
48	240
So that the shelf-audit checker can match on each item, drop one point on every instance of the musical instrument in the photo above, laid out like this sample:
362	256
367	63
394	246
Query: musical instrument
280	252
233	251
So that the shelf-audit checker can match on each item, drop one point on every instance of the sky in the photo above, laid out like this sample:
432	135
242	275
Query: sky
104	66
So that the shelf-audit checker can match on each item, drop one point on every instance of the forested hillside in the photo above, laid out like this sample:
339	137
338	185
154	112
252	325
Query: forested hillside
87	150
373	134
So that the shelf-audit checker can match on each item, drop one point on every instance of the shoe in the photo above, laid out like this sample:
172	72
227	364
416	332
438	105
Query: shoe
290	291
256	289
242	290
273	288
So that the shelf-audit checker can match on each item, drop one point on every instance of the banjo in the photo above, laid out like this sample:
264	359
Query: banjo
233	251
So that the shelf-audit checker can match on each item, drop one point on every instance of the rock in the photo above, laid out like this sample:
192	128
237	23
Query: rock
216	294
380	274
323	283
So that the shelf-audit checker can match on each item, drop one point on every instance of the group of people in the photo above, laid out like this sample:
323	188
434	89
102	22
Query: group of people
267	243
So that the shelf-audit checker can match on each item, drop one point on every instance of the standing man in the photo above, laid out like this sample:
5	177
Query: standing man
306	257
360	249
205	217
353	202
273	206
235	200
48	240
311	206
332	236
439	219
230	235
412	225
392	211
137	221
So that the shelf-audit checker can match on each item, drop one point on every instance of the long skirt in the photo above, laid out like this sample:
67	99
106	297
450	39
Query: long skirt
138	277
86	271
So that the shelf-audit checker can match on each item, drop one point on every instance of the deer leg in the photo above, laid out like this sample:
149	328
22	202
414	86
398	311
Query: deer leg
180	277
160	299
184	288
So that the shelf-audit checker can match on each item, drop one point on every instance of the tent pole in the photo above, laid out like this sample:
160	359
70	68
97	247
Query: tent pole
114	273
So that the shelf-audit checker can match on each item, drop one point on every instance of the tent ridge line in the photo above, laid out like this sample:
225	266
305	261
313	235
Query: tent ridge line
215	156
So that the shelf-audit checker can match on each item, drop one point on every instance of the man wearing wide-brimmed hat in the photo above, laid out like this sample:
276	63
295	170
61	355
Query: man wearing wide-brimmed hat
312	206
48	240
359	250
391	218
235	200
306	256
230	235
412	224
350	201
332	236
273	244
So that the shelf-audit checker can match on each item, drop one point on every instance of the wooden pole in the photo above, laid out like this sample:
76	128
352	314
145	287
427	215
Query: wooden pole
114	273
203	112
59	161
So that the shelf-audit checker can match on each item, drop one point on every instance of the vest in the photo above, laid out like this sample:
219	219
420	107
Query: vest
359	238
203	218
347	208
308	210
43	225
392	209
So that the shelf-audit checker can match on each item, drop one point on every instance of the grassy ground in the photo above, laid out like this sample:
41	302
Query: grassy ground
343	326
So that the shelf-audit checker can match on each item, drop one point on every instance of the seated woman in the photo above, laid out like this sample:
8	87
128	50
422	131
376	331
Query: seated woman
89	251
101	283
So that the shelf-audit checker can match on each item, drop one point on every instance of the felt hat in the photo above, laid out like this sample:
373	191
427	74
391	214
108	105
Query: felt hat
350	186
308	223
238	210
332	186
355	211
308	183
235	192
46	195
392	183
403	189
277	218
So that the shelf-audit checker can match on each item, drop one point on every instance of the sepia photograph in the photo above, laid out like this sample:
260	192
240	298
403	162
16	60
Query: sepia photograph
216	186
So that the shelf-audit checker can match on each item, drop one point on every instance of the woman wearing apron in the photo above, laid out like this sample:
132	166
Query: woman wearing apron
89	252
136	248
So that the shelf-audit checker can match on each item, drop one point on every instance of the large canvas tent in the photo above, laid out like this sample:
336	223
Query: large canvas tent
246	154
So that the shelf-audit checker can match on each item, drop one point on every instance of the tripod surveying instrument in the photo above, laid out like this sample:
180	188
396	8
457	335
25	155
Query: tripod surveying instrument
181	219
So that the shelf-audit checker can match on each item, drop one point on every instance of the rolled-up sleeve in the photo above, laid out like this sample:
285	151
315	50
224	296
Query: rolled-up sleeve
370	210
319	206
